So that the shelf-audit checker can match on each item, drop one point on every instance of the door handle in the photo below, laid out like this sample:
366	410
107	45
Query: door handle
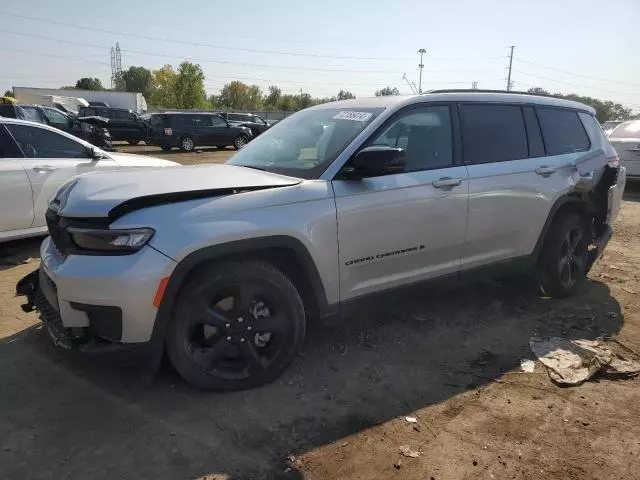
545	171
43	168
446	182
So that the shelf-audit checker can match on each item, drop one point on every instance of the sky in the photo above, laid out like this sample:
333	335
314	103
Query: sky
320	47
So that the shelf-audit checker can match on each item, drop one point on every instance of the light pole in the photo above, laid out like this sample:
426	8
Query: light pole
422	51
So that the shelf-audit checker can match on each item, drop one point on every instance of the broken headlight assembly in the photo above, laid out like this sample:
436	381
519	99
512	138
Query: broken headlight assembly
122	242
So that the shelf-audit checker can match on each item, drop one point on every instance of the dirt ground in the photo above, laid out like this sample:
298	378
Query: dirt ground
450	358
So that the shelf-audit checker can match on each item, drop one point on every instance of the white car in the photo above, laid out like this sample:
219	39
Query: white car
35	160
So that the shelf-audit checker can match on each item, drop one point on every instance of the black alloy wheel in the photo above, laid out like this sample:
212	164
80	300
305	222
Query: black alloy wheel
235	327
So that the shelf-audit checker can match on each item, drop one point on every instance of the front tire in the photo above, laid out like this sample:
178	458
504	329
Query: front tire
240	142
235	326
563	260
187	144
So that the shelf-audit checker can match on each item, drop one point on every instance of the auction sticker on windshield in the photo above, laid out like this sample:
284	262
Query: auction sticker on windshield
355	116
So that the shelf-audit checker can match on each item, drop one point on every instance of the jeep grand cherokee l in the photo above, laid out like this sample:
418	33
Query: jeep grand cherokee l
224	265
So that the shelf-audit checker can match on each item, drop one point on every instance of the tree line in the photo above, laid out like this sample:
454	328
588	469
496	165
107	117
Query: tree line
183	88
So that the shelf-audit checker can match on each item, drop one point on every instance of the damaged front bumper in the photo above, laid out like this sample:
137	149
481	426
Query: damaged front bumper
42	296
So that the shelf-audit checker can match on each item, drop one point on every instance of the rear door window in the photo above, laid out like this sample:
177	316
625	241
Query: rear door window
492	133
562	131
156	120
218	121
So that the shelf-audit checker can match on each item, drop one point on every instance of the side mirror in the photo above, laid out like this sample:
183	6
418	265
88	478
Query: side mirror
377	160
93	153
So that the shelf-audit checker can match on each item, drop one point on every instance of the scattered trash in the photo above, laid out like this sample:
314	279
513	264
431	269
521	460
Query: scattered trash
615	267
398	464
27	260
527	365
407	451
571	362
628	290
475	463
344	444
411	419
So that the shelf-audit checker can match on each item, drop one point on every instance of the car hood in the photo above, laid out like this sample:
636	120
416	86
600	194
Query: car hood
115	193
132	160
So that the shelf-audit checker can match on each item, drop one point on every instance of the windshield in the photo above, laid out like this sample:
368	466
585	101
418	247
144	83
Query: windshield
627	130
304	144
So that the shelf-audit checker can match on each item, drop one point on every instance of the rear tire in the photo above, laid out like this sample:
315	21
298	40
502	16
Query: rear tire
187	144
236	325
563	260
133	141
240	142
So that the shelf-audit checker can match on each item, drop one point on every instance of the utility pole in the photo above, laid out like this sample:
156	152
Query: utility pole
510	64
474	85
422	51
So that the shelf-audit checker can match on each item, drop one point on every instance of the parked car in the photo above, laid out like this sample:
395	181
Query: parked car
35	160
256	123
90	129
190	130
626	140
123	124
610	125
99	104
224	265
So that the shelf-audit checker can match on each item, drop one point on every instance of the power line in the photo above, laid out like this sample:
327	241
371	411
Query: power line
198	44
576	84
226	62
577	74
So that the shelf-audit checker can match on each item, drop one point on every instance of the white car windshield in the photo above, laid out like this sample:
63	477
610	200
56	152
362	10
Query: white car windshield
304	144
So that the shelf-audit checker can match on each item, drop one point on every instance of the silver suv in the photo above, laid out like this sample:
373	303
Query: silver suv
222	266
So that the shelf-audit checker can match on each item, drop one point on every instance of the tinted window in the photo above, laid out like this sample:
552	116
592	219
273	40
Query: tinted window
202	120
40	143
493	133
156	120
54	116
120	114
32	113
8	148
425	135
627	130
88	112
536	147
7	111
217	121
562	131
234	117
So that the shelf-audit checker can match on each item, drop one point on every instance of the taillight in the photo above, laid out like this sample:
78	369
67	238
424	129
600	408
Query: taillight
614	161
168	131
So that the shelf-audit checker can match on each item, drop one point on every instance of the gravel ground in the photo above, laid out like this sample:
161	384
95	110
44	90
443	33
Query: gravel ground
449	358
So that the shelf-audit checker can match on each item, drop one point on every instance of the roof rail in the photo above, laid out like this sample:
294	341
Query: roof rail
476	90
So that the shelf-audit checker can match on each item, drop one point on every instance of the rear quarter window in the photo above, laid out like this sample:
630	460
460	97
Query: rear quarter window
562	131
157	120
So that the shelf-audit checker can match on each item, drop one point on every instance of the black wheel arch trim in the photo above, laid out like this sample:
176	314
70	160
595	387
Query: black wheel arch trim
186	265
568	199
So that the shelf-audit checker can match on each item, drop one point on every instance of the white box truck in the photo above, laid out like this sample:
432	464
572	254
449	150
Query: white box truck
129	100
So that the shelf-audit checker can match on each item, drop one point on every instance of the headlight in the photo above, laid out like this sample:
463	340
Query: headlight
111	241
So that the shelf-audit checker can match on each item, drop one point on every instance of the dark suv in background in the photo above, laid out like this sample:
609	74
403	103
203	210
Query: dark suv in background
91	129
190	130
256	123
123	124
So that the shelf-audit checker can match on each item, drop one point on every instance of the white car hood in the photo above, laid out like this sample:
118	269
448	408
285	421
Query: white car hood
115	193
131	160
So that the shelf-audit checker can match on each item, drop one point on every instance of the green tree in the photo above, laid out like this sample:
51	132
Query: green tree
288	103
538	91
383	92
605	110
137	79
273	96
8	93
240	96
163	93
189	86
87	83
345	95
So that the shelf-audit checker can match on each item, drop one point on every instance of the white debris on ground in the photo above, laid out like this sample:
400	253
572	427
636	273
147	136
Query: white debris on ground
527	365
407	451
411	419
571	362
